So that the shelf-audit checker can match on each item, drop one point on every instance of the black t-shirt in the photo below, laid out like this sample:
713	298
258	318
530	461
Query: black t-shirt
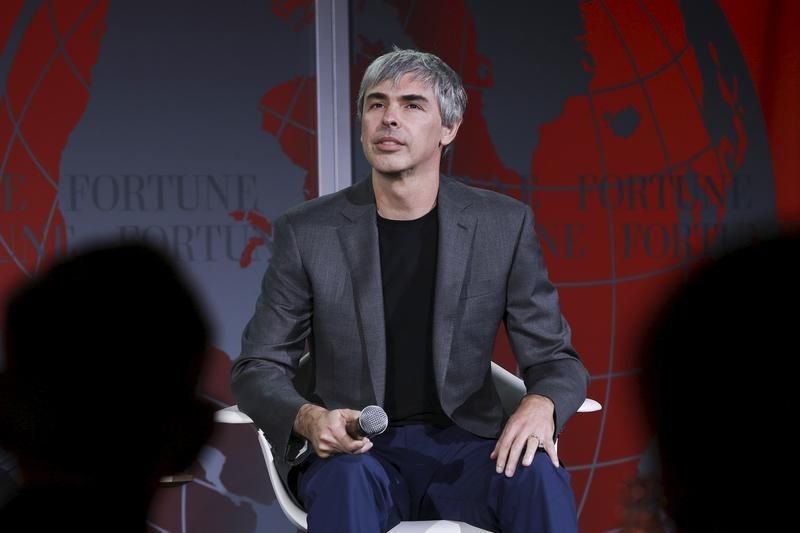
408	270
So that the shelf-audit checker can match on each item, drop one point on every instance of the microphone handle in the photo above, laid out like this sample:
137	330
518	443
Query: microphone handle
353	428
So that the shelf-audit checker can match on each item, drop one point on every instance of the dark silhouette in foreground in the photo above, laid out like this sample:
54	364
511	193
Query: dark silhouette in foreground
719	391
98	398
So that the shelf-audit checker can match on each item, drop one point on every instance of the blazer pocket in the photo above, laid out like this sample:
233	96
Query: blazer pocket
481	287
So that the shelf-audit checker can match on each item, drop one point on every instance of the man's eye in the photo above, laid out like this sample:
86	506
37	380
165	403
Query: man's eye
414	106
375	105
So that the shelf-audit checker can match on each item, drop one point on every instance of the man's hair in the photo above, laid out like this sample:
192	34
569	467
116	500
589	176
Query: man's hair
425	67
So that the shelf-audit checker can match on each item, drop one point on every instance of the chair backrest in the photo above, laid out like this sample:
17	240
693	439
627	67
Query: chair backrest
509	387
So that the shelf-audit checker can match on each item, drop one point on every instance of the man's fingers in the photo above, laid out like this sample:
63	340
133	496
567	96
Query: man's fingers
350	445
507	452
513	455
333	446
331	436
365	447
344	442
334	443
500	452
530	450
550	448
522	449
327	447
535	443
350	414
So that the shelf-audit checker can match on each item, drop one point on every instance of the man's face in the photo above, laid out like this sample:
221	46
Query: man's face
401	128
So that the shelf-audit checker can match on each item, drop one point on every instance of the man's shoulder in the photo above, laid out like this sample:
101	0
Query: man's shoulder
484	199
327	208
316	207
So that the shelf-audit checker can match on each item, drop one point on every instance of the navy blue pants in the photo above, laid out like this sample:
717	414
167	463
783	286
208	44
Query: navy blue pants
418	472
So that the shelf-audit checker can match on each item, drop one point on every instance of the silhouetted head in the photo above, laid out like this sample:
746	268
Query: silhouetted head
719	390
103	351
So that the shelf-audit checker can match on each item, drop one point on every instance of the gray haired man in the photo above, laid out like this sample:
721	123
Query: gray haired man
398	285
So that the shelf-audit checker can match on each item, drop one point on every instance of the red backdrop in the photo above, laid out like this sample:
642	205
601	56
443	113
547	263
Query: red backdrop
611	259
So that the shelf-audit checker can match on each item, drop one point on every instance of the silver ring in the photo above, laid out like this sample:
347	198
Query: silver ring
539	439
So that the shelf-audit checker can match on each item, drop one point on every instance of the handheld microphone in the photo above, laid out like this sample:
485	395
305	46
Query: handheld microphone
372	421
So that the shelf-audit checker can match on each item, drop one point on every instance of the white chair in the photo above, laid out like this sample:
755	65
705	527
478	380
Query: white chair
510	388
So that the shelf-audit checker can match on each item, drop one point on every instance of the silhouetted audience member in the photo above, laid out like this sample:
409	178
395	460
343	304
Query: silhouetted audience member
8	481
98	398
719	388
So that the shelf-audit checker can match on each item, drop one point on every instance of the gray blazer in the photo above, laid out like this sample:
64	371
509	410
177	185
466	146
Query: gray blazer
323	291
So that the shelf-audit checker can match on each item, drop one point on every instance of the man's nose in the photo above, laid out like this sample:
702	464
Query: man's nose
390	116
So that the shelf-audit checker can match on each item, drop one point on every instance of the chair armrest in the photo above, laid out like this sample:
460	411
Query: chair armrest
175	480
589	406
511	389
228	415
231	415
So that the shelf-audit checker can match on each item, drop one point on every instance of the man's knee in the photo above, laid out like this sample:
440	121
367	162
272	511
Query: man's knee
354	489
348	471
538	496
541	474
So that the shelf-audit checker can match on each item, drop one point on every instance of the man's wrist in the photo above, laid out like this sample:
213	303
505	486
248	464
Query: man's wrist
304	419
533	397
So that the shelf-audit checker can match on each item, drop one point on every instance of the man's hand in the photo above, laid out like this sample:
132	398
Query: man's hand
530	427
326	430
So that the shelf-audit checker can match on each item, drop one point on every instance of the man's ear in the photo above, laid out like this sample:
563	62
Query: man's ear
449	133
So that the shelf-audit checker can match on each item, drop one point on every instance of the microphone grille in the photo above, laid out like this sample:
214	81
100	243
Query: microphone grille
373	420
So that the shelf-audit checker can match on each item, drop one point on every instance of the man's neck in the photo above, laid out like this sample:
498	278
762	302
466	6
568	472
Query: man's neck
405	197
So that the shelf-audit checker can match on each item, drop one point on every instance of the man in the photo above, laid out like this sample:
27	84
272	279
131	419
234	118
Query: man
729	328
103	350
398	285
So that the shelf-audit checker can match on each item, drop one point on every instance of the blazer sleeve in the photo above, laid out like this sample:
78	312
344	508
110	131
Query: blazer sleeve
539	335
273	342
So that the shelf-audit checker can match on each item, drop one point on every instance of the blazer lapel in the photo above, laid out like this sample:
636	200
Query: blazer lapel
456	230
359	240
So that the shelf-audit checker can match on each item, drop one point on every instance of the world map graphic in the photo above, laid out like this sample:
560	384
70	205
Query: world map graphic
630	126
